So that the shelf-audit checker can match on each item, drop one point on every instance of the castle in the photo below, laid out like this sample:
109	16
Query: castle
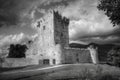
52	45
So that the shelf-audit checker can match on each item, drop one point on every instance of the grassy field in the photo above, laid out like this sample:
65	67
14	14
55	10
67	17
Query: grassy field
22	68
69	72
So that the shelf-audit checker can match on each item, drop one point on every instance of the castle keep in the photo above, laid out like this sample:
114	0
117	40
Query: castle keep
52	45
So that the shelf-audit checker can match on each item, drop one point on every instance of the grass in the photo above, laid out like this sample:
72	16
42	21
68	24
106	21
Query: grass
22	68
10	69
85	73
73	72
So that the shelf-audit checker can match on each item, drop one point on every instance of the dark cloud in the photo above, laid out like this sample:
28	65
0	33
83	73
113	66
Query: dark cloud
112	38
87	23
13	12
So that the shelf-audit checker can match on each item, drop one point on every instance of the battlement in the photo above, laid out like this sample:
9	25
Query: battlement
53	40
61	18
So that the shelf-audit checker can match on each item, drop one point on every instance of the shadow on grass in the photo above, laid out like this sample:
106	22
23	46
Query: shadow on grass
10	69
100	77
23	68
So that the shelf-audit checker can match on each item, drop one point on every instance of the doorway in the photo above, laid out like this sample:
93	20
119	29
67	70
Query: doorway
46	61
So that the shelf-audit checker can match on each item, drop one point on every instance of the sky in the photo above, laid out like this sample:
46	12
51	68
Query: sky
87	23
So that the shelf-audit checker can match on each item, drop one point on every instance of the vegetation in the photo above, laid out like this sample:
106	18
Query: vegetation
114	56
112	10
86	74
99	75
69	72
17	51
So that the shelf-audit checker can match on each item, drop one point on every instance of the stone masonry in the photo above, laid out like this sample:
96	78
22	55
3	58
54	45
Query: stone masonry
52	45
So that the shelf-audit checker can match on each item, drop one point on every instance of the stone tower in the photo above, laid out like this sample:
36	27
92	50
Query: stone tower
61	35
53	38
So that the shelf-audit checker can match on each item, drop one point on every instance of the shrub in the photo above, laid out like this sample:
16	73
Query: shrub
113	57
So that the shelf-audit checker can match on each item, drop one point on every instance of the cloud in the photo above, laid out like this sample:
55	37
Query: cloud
85	19
78	8
11	39
85	28
84	31
89	24
100	40
13	12
16	39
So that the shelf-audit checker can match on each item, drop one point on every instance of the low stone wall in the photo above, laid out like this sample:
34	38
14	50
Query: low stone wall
19	62
77	56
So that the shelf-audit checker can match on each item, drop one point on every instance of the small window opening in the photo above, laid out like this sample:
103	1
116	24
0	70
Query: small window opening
46	61
77	59
54	61
61	34
43	27
38	24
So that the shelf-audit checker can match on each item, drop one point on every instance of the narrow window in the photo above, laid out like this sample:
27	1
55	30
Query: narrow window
77	60
43	27
38	24
61	34
54	61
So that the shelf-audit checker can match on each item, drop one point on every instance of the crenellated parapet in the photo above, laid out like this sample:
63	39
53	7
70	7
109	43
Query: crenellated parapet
61	19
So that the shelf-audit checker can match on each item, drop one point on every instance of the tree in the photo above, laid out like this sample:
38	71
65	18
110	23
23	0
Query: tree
112	10
113	56
17	51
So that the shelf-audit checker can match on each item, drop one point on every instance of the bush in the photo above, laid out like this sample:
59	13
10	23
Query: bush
113	57
17	51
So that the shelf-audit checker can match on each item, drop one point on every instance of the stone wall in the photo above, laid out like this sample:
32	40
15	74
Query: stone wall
61	34
73	55
45	47
18	62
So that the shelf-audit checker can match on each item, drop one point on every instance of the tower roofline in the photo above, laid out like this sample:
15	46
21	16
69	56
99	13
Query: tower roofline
53	11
